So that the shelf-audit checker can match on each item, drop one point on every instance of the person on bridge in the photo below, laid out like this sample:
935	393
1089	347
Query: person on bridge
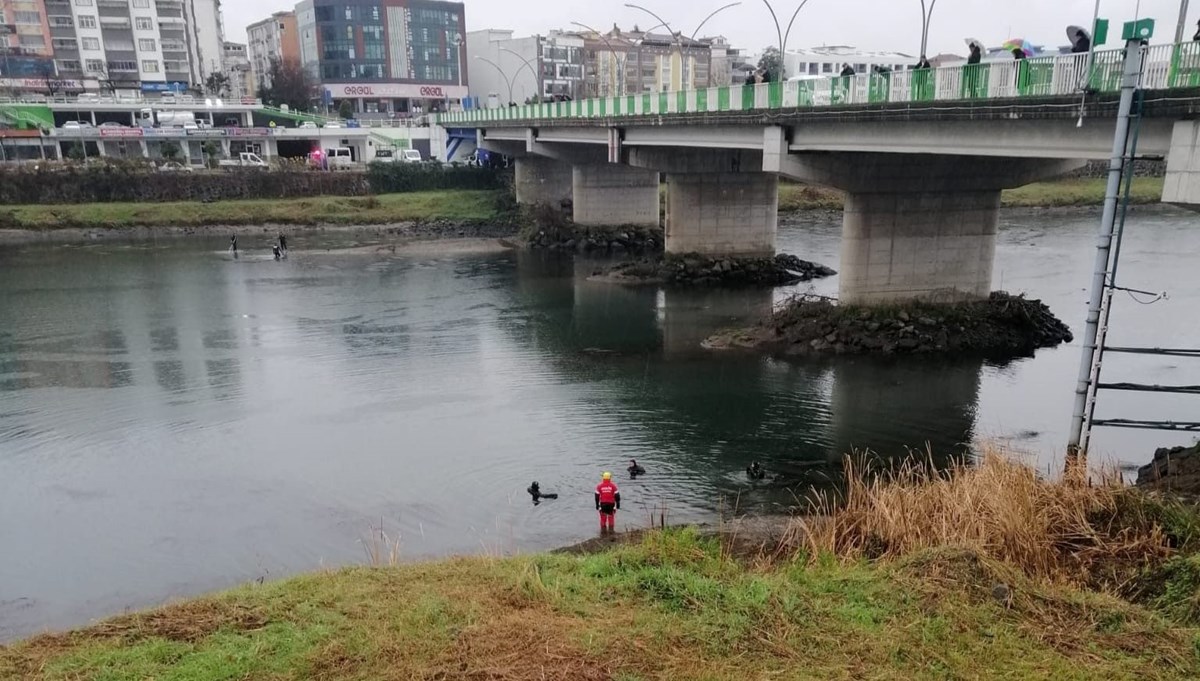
1082	43
1197	36
922	63
976	55
1018	53
847	71
608	502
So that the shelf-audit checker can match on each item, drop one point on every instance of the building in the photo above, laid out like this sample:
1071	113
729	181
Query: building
276	37
830	60
26	51
237	70
386	57
116	45
725	61
625	63
516	69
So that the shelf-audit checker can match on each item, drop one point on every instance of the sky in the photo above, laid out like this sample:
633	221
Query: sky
866	24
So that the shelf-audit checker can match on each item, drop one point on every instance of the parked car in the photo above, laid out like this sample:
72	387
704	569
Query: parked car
307	125
333	124
113	124
412	156
245	159
174	167
76	125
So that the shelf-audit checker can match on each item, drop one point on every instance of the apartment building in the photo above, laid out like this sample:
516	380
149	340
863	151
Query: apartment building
237	69
276	37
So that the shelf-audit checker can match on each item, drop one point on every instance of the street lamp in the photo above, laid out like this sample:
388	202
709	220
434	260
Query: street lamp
537	81
783	35
503	75
679	35
620	61
926	18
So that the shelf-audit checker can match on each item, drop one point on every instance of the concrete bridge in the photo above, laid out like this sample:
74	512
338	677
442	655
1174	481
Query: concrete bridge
922	157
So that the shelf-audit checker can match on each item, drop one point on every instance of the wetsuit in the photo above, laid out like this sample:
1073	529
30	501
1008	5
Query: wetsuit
608	501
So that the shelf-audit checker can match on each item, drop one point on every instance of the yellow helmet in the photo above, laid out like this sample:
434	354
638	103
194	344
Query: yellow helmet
606	476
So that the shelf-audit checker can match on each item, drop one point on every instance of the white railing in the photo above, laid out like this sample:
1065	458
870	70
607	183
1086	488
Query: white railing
1166	67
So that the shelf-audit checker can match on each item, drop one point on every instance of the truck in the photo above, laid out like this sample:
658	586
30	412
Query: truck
245	159
158	118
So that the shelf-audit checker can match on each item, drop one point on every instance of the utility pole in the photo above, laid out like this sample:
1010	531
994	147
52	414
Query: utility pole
1181	29
1118	165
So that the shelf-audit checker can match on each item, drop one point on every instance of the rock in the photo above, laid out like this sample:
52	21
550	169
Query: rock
926	321
1003	593
873	327
908	343
1173	468
903	316
831	338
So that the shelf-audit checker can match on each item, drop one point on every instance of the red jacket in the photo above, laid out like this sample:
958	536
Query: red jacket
607	493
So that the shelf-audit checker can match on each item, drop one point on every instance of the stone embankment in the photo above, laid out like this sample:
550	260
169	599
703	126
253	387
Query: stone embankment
1003	326
699	270
1174	469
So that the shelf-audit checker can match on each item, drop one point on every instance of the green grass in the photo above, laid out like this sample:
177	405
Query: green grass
672	606
320	210
1059	193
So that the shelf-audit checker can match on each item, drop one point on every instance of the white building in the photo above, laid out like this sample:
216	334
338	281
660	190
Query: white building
545	65
275	37
146	45
829	60
237	69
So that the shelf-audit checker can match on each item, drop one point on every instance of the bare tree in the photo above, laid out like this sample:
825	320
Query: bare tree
48	73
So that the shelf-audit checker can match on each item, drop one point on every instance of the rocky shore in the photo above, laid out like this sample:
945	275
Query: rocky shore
1174	469
1003	325
698	270
597	240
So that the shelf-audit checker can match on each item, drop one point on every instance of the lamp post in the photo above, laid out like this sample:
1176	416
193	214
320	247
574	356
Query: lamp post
503	75
620	61
457	41
1182	27
783	35
537	81
926	18
679	35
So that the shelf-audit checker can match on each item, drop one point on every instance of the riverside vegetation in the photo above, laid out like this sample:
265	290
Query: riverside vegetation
399	198
977	571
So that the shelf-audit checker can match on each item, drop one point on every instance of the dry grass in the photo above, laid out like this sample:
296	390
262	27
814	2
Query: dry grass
1075	529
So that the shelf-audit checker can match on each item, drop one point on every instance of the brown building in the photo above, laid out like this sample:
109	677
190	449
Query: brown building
277	37
24	29
625	63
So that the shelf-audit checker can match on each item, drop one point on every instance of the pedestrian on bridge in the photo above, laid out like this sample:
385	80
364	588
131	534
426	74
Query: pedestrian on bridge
1196	38
847	71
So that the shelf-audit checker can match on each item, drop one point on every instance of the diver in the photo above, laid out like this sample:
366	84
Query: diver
535	491
635	469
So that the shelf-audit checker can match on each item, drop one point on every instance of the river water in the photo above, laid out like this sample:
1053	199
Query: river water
174	421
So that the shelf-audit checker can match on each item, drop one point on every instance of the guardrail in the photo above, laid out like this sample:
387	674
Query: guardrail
1166	67
181	100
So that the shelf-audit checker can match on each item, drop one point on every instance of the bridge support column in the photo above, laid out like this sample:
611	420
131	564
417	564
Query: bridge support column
542	181
919	226
918	245
732	214
610	194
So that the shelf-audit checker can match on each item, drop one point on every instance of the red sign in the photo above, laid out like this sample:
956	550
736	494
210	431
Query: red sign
432	92
20	133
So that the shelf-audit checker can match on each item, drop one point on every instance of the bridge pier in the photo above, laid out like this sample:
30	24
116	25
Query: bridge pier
919	226
542	181
719	214
610	194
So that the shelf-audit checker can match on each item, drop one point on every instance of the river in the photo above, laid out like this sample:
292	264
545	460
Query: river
174	421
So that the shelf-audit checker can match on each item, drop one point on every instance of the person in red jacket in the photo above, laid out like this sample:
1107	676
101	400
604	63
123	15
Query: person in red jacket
608	501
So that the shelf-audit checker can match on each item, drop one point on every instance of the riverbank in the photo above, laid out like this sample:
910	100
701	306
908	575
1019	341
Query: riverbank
451	208
1013	592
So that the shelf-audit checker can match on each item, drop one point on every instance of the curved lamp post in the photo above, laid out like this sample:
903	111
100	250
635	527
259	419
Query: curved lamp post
783	35
503	75
678	35
537	82
620	62
926	18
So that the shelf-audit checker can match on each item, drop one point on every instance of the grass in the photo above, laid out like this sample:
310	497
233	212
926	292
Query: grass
458	205
673	605
1056	194
473	206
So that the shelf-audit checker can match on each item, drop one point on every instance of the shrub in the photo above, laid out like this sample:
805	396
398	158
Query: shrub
389	178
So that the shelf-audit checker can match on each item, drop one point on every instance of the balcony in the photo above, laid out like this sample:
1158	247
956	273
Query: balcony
115	24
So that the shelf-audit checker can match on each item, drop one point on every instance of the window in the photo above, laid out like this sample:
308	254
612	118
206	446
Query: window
83	3
28	17
91	43
149	66
144	23
826	68
94	66
87	21
36	41
62	22
141	3
68	65
119	66
65	44
146	45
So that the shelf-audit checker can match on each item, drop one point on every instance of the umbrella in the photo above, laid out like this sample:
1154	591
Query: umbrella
972	42
1072	31
1019	44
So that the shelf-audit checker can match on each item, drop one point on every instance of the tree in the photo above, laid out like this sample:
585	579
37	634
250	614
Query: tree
217	84
76	152
771	63
346	109
212	153
49	74
170	151
288	82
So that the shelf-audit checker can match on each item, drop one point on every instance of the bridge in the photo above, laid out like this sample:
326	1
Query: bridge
921	155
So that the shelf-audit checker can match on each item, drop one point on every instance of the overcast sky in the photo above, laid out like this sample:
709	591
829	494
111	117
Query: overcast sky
866	24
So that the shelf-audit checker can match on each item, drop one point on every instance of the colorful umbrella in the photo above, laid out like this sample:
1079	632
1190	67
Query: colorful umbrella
1019	44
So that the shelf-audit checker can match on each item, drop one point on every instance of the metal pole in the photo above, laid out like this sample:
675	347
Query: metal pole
503	75
926	20
1182	27
532	69
1116	169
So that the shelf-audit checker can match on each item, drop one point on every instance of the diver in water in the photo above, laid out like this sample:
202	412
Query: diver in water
755	471
635	469
233	244
277	253
535	491
283	243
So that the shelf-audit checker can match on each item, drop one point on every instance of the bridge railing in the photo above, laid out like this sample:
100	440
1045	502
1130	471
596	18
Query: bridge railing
1167	67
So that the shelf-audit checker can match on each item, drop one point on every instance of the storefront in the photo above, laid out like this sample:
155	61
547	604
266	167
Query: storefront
398	98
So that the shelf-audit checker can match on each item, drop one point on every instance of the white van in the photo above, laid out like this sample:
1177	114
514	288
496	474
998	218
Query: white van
339	157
